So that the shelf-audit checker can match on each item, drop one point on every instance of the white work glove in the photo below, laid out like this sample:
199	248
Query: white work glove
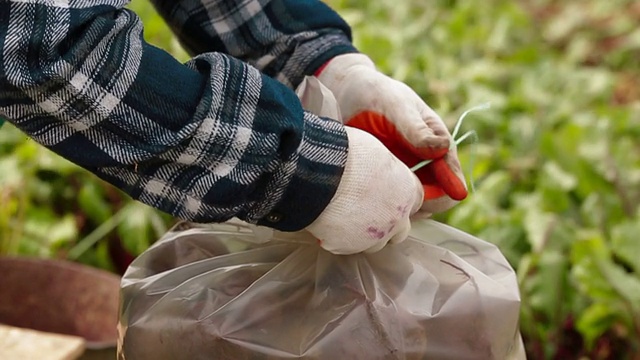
395	114
374	200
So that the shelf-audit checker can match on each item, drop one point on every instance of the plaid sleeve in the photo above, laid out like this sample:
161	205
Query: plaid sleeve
205	141
285	39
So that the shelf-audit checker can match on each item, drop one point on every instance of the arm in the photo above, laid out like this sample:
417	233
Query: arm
285	39
204	141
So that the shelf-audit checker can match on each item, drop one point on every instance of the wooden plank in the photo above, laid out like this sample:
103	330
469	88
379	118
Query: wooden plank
21	344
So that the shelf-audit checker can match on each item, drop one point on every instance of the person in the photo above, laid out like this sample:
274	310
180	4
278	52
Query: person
224	135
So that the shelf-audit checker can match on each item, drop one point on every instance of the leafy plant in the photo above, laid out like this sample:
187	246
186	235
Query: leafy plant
557	169
51	208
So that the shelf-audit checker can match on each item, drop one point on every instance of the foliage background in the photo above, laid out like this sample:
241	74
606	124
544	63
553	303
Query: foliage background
556	170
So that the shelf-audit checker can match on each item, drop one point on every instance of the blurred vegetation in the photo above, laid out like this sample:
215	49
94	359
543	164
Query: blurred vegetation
556	170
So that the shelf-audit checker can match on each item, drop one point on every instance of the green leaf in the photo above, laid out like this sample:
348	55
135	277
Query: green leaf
627	285
592	211
102	256
601	277
11	175
37	227
595	321
63	231
135	229
556	175
625	243
547	289
585	272
93	203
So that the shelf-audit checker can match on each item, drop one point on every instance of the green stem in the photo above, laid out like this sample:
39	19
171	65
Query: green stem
100	232
5	218
456	129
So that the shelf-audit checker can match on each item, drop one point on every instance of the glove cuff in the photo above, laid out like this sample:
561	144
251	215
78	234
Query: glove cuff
345	61
316	74
335	72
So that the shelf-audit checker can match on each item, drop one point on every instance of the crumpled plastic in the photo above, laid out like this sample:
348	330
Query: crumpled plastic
234	291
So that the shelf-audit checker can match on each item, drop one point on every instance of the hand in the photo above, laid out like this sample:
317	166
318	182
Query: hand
372	205
395	114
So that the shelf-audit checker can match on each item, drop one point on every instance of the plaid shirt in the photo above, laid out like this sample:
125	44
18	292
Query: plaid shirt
221	136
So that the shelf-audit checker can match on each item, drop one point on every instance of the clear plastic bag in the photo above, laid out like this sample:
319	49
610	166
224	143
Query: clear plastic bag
226	291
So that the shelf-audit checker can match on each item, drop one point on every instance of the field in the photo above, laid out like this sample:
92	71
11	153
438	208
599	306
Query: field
556	168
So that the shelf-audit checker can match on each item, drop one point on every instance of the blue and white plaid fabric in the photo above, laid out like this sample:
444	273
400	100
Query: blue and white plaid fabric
205	141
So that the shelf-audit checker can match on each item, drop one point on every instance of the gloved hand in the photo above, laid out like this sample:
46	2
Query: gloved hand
395	114
374	200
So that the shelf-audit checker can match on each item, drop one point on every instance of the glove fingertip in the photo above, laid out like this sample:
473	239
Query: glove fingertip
451	184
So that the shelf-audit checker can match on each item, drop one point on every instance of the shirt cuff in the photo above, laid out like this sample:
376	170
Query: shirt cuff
318	171
313	54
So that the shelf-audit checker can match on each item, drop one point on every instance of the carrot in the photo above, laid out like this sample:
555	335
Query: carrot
447	179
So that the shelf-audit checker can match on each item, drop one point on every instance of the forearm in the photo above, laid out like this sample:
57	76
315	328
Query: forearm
205	142
285	39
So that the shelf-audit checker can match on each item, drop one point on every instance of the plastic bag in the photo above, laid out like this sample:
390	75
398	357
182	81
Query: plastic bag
222	292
